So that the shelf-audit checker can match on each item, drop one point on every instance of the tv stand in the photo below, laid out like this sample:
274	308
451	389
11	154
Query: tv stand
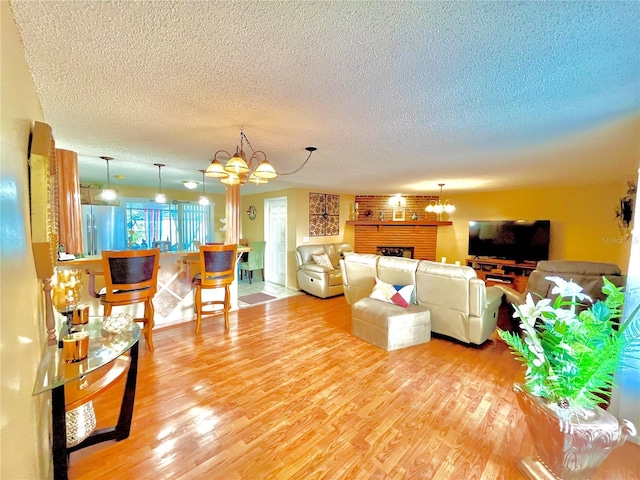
496	271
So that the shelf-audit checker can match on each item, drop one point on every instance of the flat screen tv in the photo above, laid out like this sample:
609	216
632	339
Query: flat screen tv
519	240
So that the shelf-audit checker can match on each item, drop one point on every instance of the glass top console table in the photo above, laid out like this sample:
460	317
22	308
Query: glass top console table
75	384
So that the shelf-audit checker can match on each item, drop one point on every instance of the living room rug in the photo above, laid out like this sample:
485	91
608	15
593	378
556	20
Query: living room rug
256	298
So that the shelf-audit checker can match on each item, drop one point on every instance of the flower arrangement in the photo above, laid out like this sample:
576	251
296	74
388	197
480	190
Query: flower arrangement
571	356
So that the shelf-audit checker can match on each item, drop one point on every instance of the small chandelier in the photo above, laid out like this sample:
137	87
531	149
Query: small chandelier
238	170
438	207
108	193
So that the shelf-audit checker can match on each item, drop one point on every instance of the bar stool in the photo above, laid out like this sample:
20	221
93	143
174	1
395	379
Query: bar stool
131	276
217	265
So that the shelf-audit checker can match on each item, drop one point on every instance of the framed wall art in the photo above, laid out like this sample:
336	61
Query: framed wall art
324	214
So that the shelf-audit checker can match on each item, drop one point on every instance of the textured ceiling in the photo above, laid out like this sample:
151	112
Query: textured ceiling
397	96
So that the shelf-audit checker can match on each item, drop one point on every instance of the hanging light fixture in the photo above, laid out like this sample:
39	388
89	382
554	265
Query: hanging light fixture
204	201
108	193
160	198
438	207
189	184
238	170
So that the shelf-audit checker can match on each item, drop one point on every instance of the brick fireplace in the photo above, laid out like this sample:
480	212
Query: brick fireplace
421	238
392	251
377	230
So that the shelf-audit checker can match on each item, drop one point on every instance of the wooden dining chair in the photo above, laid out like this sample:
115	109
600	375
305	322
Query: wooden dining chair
217	267
130	277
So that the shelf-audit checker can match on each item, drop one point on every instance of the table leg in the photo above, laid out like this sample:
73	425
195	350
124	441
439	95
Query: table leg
126	409
59	429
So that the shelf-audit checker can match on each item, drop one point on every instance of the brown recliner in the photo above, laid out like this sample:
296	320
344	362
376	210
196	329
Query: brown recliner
586	274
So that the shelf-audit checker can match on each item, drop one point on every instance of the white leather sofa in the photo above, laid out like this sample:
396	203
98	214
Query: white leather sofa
459	304
315	279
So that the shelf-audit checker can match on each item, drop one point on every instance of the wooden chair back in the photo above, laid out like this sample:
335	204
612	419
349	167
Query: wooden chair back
217	265
130	276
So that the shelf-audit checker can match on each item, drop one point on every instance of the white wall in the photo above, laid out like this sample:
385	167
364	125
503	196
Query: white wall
24	419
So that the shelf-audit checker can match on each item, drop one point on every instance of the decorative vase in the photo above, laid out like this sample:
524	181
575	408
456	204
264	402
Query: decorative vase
574	452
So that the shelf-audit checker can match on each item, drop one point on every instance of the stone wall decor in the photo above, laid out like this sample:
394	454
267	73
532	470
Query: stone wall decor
324	214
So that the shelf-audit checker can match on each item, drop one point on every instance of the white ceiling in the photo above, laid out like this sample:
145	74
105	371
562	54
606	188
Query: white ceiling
397	96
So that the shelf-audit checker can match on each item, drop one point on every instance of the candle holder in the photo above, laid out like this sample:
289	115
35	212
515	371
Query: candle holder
66	296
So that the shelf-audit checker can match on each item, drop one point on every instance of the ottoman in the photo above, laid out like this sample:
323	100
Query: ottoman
390	326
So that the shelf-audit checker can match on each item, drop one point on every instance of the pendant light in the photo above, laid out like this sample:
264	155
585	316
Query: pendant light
108	193
160	198
204	201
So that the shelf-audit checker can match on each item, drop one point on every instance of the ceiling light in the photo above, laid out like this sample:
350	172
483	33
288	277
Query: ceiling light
438	207
190	184
108	193
239	170
160	198
203	198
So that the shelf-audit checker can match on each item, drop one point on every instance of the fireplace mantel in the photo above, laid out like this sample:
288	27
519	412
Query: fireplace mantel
404	223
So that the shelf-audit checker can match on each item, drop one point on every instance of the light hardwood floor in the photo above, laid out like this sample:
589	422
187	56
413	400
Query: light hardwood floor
289	393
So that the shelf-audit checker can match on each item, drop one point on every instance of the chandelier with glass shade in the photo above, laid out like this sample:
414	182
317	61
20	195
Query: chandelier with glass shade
439	207
238	170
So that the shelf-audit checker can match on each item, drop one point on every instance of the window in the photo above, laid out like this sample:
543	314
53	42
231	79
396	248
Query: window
172	227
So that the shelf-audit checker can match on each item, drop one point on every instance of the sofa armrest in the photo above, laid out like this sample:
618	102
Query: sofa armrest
494	296
511	296
312	267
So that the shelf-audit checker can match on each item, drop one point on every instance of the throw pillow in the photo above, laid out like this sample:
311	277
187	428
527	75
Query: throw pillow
322	260
398	294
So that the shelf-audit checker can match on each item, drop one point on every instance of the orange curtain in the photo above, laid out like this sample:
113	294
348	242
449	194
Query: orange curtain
69	207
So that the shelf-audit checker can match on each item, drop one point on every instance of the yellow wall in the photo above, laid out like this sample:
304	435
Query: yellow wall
583	223
24	435
297	222
583	228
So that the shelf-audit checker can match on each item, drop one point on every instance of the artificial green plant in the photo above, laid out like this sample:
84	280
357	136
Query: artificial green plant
571	356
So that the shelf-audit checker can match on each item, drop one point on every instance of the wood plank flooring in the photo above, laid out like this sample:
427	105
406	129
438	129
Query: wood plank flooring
289	393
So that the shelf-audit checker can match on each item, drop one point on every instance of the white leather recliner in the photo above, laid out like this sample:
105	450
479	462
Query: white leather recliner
318	280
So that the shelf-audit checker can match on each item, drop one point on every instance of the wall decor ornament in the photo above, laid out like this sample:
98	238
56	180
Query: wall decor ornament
398	215
624	212
324	214
251	212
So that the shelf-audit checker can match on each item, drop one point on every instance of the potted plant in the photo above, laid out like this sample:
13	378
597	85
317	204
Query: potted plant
571	353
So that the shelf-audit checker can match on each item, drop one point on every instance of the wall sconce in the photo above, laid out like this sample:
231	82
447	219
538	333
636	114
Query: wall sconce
397	201
439	208
160	198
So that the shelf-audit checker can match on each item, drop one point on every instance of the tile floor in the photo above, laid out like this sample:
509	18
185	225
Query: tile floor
257	285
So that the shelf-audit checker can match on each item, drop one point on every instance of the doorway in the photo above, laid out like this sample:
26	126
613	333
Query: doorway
275	233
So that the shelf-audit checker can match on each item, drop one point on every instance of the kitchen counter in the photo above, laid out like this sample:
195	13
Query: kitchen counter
174	300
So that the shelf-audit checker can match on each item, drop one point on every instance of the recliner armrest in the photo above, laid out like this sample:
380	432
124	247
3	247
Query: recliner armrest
312	267
512	296
494	295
